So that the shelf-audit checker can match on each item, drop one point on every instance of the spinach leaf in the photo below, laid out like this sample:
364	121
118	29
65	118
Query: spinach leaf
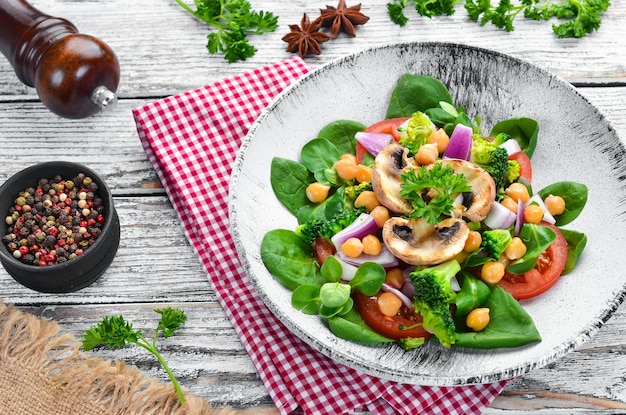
341	134
474	292
306	298
576	242
289	180
331	269
319	154
369	278
537	239
575	196
323	211
524	130
329	312
509	324
290	259
447	117
415	93
351	326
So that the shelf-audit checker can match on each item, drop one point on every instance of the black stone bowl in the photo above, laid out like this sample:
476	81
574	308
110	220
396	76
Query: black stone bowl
73	274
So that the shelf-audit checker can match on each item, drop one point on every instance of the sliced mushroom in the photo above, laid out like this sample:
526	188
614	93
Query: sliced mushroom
417	242
479	200
389	164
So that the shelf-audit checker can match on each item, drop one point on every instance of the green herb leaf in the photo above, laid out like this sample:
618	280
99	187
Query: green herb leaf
233	21
171	320
441	182
116	332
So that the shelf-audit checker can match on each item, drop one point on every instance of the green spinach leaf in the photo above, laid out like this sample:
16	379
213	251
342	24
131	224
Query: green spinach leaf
341	134
290	259
306	298
474	292
289	180
576	242
319	154
524	130
575	196
537	239
351	326
369	278
415	93
509	325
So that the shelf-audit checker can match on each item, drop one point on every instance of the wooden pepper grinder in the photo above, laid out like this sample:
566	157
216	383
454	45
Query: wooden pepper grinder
75	75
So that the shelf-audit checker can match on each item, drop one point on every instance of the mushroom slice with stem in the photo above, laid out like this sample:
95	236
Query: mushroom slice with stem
389	164
417	242
479	200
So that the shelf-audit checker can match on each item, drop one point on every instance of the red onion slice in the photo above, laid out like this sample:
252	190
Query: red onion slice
460	145
373	142
363	225
500	217
511	146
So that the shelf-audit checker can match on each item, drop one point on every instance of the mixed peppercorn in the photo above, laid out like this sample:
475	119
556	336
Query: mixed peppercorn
54	222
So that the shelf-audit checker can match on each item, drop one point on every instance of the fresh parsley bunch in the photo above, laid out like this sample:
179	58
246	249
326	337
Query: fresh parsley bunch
440	182
116	332
233	20
581	16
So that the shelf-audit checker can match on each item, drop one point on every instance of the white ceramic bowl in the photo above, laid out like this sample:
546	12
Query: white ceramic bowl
575	143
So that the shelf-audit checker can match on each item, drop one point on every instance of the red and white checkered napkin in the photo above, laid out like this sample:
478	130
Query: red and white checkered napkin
191	140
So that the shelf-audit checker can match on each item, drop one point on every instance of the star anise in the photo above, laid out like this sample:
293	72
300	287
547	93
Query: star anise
342	18
306	37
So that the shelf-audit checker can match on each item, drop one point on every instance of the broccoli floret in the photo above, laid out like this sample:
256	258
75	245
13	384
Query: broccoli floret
433	297
501	138
494	159
313	228
408	343
513	172
418	129
495	241
352	192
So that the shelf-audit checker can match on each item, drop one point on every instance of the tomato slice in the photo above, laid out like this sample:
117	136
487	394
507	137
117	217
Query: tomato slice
323	249
526	171
547	272
389	126
389	326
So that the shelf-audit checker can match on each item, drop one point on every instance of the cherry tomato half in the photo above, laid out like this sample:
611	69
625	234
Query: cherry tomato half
389	126
526	171
547	272
389	326
323	249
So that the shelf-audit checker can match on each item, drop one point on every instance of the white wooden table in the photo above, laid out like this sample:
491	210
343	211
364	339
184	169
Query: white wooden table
162	52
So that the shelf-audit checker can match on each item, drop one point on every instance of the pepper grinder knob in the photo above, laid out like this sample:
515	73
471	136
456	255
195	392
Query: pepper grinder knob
75	75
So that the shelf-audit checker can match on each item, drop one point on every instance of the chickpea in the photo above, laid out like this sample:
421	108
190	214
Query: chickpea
473	241
477	319
427	154
317	192
533	214
510	204
363	173
380	214
367	199
371	245
395	277
440	137
389	304
555	204
346	168
517	191
350	157
515	250
353	247
492	272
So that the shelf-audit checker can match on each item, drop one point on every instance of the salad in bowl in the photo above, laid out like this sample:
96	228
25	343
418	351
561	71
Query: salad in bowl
422	226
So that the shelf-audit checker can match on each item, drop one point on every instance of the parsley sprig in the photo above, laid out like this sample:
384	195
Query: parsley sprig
116	332
233	20
440	182
581	16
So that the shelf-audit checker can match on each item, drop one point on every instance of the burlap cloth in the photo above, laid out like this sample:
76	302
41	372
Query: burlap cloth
43	372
